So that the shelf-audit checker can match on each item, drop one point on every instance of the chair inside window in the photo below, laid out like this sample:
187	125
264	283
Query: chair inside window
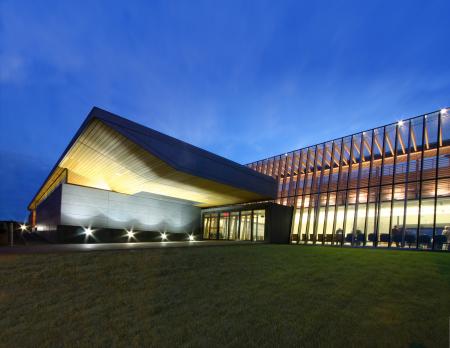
410	239
348	238
397	239
360	238
439	242
384	237
424	241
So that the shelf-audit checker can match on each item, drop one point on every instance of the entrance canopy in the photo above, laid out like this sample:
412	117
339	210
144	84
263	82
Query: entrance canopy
112	153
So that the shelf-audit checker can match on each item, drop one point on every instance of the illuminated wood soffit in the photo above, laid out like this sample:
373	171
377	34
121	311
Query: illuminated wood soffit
102	158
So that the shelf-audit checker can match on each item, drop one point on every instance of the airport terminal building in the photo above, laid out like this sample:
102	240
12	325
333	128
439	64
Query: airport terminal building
119	181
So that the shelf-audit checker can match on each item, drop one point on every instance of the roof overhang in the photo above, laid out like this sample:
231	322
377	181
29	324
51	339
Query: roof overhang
112	153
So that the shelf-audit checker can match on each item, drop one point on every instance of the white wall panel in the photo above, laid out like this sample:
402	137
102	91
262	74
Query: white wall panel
143	211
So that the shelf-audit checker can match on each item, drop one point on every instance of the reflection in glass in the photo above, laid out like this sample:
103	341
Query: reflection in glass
206	225
223	225
234	226
259	220
246	225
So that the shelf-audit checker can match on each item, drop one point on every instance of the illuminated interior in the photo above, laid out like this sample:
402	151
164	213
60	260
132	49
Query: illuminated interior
233	225
388	186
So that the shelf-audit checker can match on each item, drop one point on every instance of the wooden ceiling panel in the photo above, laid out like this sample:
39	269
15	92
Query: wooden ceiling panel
103	158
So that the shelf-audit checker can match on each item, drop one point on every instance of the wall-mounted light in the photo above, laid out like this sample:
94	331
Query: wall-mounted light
23	227
400	123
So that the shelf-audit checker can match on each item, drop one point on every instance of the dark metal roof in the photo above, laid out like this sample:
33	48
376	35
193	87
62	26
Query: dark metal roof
188	158
181	156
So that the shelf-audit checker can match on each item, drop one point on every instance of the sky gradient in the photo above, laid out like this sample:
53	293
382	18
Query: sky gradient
243	79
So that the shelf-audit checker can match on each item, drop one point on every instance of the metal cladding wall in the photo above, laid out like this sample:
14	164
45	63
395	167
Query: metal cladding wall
279	219
106	209
49	212
84	206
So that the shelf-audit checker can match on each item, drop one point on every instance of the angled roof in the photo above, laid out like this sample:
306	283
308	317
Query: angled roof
111	152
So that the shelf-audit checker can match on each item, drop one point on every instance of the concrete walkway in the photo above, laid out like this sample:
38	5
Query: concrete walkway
62	248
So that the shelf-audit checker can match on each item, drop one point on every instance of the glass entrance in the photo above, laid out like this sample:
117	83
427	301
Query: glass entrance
259	222
206	225
224	223
246	225
234	226
210	226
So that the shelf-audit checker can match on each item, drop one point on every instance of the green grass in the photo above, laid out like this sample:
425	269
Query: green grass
260	295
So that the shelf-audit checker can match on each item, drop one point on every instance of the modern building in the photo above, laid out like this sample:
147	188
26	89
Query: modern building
121	181
387	187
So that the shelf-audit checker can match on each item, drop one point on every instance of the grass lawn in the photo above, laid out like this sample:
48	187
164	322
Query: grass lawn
260	295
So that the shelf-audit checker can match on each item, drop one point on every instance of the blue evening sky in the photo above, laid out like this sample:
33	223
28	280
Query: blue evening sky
243	79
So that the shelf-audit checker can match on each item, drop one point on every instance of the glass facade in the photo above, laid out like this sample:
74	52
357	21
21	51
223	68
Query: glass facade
386	187
235	225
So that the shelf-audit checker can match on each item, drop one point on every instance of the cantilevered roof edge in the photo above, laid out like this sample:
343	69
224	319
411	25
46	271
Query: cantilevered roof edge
68	147
141	135
190	159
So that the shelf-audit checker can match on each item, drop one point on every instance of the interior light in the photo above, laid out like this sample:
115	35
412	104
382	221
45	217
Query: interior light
164	236
88	231
23	227
191	237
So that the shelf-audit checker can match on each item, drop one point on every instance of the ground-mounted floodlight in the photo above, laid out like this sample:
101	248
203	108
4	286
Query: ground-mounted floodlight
130	233
88	231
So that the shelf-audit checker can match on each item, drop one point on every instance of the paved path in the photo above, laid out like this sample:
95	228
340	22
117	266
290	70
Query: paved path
61	248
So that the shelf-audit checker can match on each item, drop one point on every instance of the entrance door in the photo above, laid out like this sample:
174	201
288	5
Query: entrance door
246	225
234	226
259	222
206	226
213	227
224	225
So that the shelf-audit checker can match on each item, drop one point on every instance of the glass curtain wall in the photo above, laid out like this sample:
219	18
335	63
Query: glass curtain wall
259	220
386	187
235	225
